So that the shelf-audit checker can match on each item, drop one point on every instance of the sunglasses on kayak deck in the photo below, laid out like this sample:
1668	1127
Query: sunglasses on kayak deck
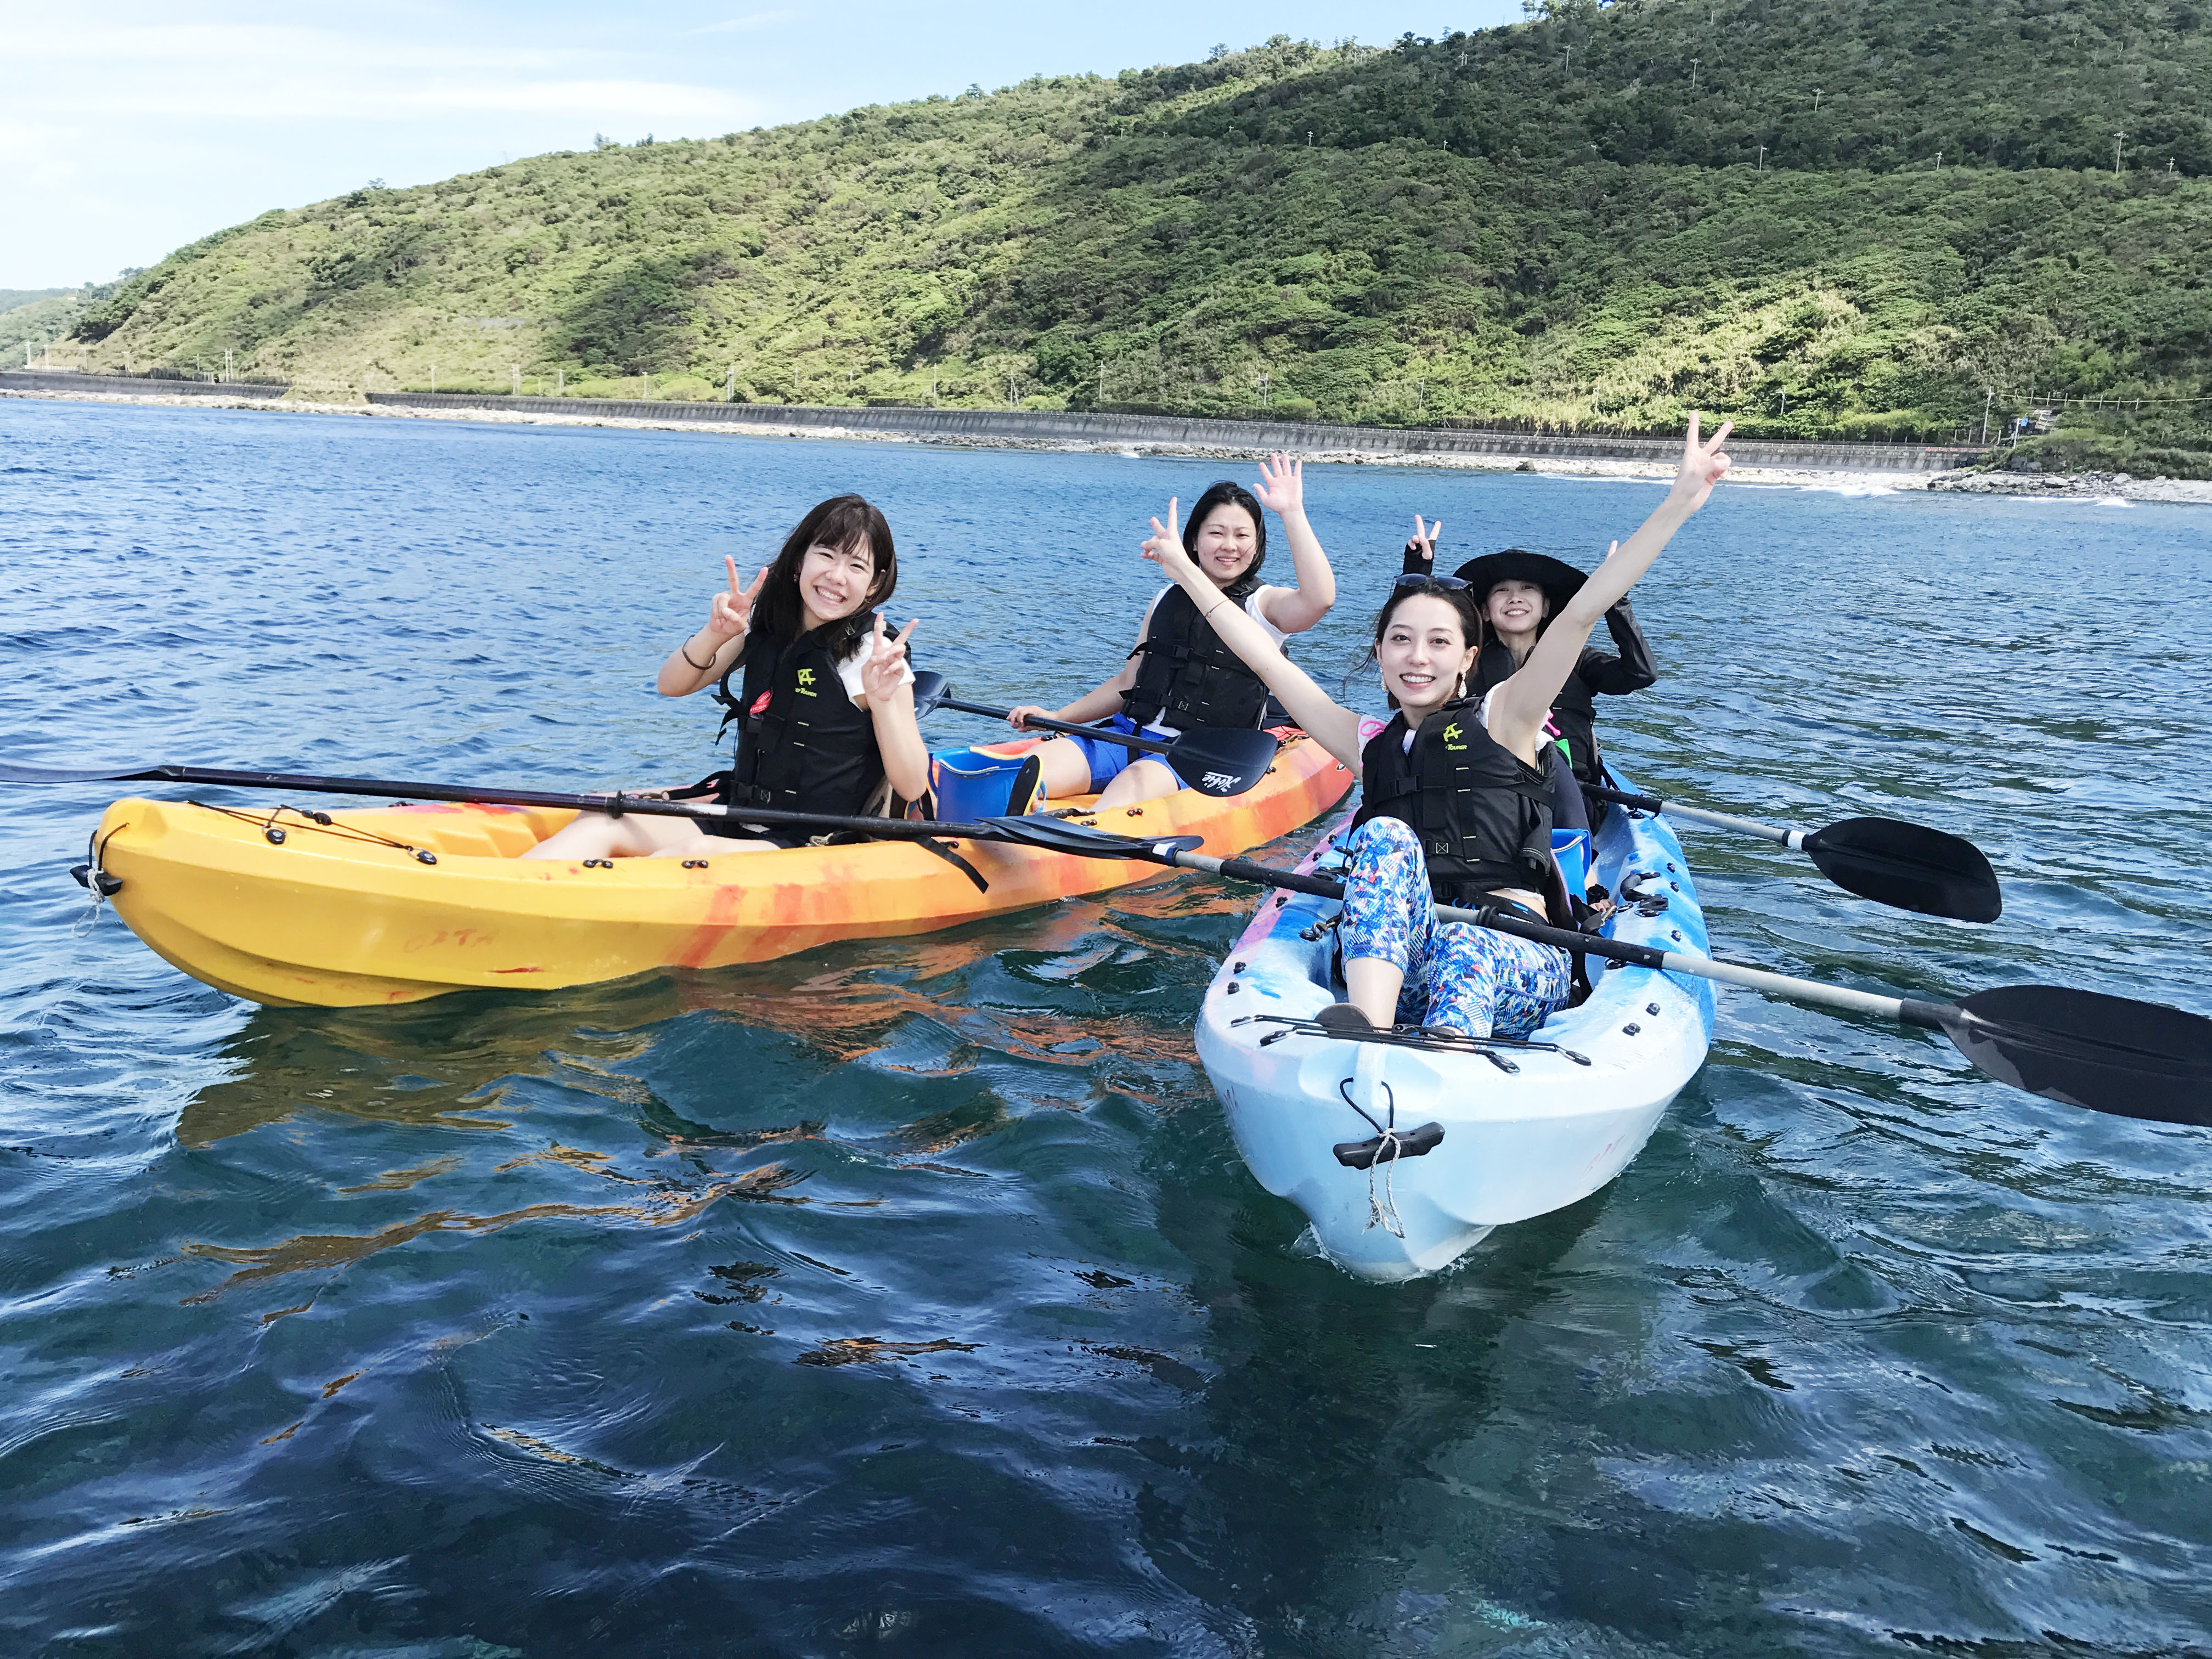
1412	576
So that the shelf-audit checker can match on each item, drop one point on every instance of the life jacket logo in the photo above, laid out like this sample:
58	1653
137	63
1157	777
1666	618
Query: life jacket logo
760	703
806	683
1451	735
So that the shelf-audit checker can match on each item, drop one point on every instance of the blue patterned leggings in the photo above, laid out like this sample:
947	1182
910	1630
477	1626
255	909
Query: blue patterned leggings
1471	979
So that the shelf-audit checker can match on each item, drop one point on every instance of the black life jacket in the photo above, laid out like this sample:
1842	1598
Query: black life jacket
1189	677
1574	711
1484	815
803	745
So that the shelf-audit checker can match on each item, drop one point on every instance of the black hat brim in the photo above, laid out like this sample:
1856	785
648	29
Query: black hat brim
1559	581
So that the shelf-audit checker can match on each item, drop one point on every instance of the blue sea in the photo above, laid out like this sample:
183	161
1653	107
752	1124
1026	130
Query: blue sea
910	1299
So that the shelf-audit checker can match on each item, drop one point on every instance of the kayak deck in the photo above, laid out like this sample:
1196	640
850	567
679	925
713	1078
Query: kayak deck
345	915
1526	1130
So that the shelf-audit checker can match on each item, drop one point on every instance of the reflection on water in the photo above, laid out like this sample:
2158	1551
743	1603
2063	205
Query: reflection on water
910	1296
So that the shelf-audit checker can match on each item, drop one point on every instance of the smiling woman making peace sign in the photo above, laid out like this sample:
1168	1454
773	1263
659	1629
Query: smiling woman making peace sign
826	702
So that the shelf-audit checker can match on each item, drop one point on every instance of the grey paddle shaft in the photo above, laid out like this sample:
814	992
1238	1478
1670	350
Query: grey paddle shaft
1792	839
1910	1011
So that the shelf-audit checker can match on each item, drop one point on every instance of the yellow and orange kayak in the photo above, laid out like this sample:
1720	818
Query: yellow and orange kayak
345	915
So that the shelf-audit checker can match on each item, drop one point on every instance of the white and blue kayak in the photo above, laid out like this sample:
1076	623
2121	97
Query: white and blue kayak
1404	1150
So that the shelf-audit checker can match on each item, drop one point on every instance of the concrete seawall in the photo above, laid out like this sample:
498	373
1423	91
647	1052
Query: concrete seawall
983	425
138	385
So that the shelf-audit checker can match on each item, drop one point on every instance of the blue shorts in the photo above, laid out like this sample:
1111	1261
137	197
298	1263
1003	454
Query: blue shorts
1109	760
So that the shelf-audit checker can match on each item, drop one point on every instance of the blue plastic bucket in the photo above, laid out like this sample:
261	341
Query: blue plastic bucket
1571	849
974	783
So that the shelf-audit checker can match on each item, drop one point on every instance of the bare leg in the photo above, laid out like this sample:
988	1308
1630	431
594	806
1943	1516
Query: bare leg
1145	779
1066	772
1372	985
596	835
713	847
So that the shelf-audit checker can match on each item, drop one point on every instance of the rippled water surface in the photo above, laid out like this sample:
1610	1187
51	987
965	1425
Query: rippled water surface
910	1298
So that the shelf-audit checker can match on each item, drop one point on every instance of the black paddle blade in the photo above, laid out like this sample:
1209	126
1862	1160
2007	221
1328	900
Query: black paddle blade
2109	1053
1059	835
1221	760
1908	865
930	688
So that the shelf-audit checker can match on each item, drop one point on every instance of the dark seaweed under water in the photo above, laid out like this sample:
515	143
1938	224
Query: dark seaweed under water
910	1298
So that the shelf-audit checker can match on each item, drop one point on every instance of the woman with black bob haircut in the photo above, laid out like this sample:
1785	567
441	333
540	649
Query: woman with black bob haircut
1456	797
1180	674
825	703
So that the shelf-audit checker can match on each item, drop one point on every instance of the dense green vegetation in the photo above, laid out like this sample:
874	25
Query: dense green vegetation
1585	222
38	317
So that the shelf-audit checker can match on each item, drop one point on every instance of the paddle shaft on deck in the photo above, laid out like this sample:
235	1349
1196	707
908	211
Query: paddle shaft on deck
466	794
1910	1011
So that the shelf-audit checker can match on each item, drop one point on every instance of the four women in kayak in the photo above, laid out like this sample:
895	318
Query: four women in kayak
1484	670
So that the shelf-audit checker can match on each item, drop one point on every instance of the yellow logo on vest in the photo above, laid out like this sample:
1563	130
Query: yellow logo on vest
806	683
1452	735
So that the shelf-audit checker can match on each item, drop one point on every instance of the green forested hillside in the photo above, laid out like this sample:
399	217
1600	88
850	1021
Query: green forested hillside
1569	222
37	317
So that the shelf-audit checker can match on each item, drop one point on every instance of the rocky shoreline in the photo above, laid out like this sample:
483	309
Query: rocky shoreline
2087	486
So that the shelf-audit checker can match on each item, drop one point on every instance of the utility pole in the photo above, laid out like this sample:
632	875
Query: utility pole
1762	158
434	379
2117	139
1988	395
560	379
1694	62
226	362
516	369
1570	60
1939	160
1816	101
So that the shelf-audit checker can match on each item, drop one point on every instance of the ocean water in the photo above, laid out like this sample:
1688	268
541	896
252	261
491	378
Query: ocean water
911	1298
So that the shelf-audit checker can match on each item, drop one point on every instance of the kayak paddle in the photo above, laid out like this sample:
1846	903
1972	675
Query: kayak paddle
2108	1053
1043	833
1907	866
1212	759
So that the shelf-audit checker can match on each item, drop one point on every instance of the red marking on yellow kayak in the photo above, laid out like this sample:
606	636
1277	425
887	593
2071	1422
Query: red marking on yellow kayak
722	911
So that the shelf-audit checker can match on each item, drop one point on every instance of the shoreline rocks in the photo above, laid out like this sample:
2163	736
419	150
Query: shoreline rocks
2093	486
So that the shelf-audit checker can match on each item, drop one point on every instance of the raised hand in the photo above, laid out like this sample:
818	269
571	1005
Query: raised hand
1282	487
1164	547
731	611
1703	465
884	671
1421	550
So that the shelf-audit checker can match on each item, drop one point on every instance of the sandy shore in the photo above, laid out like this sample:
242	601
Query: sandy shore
2088	486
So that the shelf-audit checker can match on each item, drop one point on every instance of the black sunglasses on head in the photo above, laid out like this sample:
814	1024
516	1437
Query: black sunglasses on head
1412	576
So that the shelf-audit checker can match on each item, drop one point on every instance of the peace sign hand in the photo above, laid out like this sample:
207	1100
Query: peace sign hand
1421	550
1282	484
1164	547
884	673
1703	465
730	613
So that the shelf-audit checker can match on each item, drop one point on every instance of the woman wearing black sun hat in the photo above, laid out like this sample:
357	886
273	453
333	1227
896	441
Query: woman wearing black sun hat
1516	594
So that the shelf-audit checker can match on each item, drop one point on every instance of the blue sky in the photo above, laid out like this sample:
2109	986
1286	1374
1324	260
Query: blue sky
129	129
